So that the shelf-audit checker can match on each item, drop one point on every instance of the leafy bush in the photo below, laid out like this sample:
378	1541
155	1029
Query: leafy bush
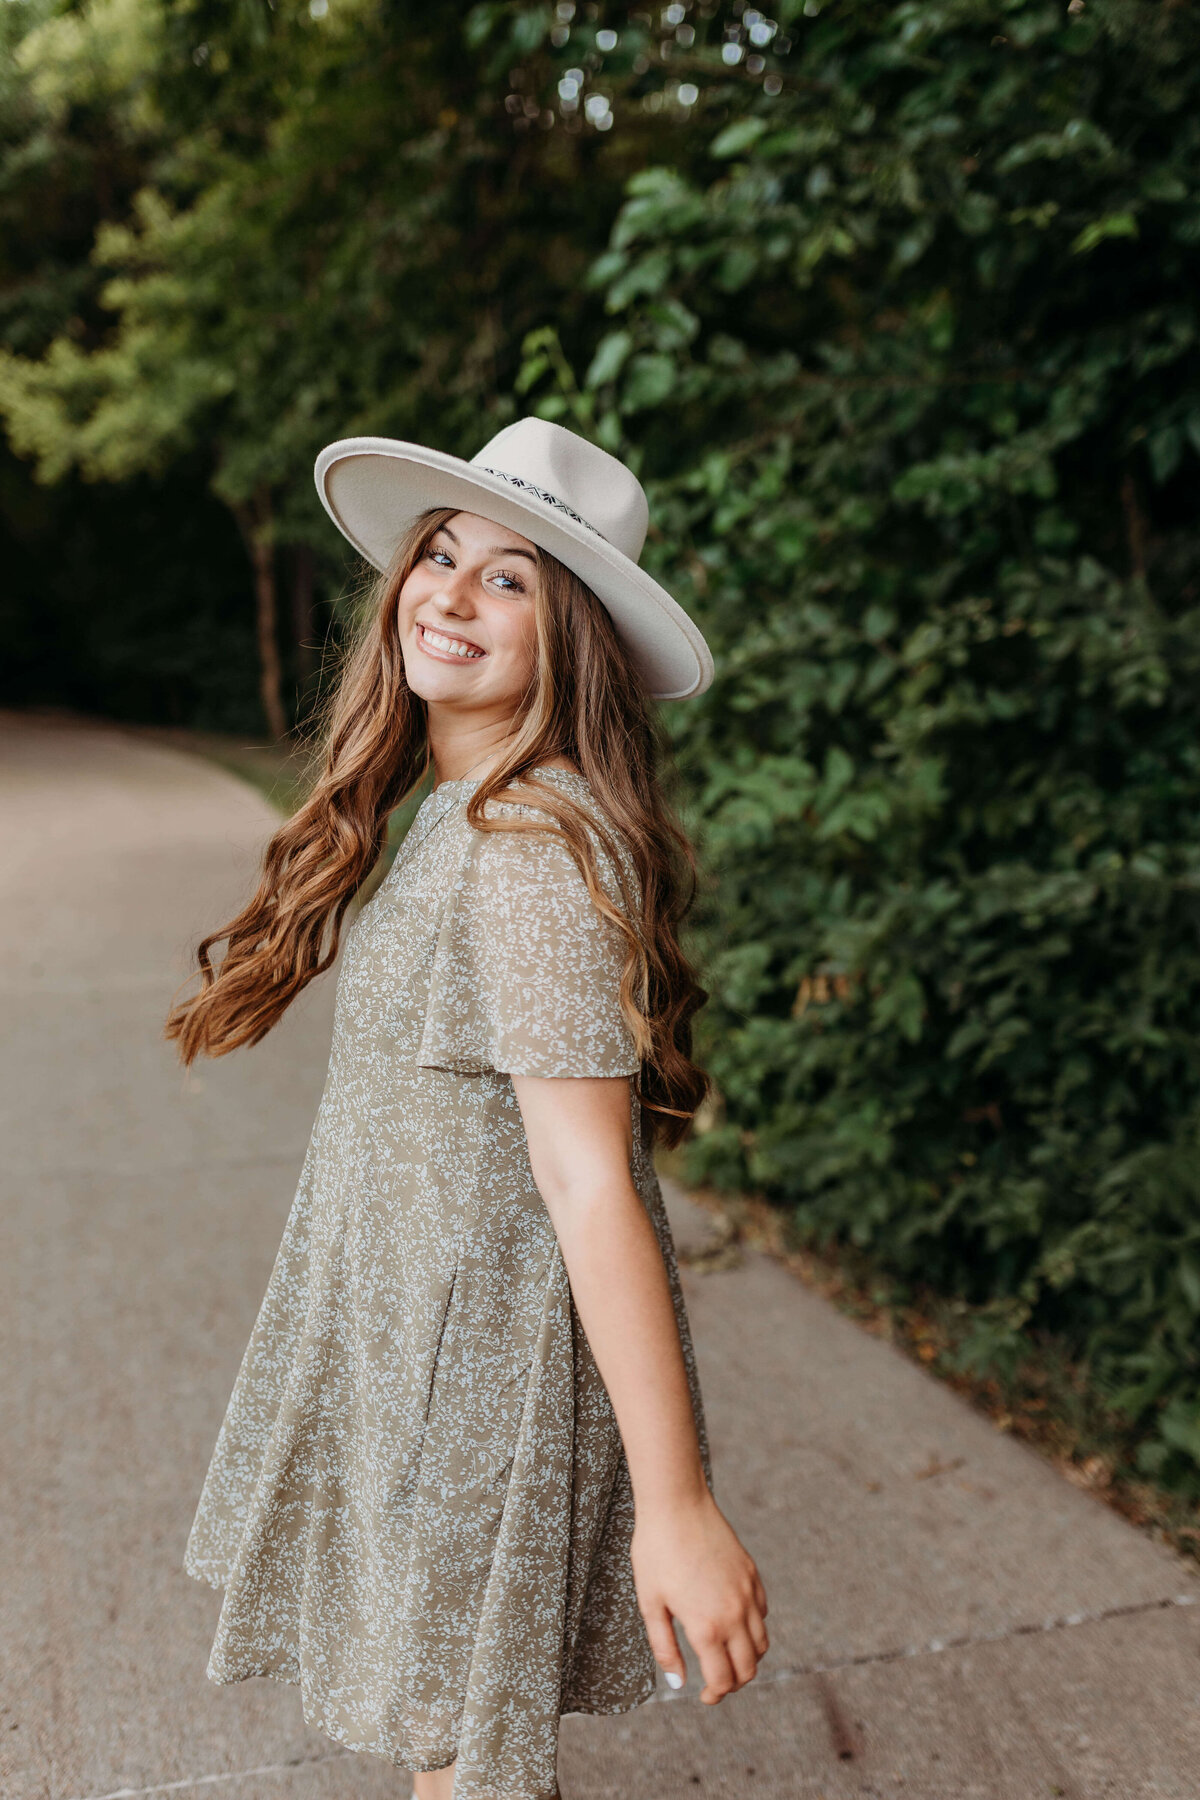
910	364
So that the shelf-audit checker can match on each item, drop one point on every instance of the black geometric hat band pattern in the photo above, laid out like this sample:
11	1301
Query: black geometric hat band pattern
519	481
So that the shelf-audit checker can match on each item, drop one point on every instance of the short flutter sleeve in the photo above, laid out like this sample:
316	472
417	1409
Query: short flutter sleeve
526	972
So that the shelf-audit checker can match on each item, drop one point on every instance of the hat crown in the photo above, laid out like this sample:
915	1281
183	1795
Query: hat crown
561	466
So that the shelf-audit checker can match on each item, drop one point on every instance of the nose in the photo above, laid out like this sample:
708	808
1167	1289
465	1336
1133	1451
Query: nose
453	594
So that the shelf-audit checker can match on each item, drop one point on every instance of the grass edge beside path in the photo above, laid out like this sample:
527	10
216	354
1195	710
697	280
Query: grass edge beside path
1046	1401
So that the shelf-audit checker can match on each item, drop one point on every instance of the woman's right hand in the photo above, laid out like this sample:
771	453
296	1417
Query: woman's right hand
689	1565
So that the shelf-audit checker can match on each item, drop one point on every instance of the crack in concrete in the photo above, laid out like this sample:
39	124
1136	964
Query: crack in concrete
131	1171
200	1781
935	1647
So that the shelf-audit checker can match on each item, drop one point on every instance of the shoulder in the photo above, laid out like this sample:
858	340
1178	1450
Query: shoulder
536	840
524	874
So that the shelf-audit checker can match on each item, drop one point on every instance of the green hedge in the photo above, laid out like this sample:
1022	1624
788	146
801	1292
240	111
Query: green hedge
910	363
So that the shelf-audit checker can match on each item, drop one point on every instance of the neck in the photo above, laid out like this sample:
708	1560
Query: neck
459	752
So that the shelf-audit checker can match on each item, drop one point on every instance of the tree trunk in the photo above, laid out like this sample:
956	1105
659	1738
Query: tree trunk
302	611
1136	528
256	519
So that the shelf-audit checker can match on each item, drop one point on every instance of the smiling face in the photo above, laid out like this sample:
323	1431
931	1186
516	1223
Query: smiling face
467	622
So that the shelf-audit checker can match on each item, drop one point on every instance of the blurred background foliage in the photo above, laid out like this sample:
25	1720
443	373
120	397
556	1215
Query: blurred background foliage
893	308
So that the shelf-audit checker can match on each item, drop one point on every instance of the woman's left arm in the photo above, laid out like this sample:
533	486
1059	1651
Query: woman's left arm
687	1562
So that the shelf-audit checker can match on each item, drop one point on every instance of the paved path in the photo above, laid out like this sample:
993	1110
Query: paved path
950	1621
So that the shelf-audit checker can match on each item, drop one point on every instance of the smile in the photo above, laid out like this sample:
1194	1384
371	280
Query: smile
437	642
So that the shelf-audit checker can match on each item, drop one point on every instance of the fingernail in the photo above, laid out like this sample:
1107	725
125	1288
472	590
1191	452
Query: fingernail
674	1680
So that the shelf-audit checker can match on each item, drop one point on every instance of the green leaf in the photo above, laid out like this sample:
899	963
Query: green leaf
480	23
736	137
1112	225
902	1004
1179	1425
1165	450
648	382
878	621
1164	185
609	359
531	372
646	276
1189	1281
736	268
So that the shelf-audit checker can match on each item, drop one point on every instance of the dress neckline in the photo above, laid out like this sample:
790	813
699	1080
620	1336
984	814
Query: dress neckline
539	769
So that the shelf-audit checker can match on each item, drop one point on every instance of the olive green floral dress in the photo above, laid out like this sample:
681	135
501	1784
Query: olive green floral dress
418	1504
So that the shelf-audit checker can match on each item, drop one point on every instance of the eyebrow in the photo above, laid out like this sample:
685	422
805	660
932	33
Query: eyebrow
496	549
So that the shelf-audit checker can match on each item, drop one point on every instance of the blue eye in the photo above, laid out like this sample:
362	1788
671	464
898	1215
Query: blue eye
437	553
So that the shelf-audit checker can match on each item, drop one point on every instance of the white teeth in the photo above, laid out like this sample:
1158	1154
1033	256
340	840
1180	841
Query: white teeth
444	643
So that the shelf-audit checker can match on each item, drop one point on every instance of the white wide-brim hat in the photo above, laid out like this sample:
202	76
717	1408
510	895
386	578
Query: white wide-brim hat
554	487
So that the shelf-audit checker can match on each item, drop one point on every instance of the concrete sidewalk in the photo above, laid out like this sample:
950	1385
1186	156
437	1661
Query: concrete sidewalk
949	1619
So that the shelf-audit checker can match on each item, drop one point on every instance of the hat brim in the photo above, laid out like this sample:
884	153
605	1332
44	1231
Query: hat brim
373	489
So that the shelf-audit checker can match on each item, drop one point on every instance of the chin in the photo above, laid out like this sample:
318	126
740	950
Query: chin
419	678
427	681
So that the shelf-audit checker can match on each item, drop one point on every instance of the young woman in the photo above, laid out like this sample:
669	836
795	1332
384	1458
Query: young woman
462	1486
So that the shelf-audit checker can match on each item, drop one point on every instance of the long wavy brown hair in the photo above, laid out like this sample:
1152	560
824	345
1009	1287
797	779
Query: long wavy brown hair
586	701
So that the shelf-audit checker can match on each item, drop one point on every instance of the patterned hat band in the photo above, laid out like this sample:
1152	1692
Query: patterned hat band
528	487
